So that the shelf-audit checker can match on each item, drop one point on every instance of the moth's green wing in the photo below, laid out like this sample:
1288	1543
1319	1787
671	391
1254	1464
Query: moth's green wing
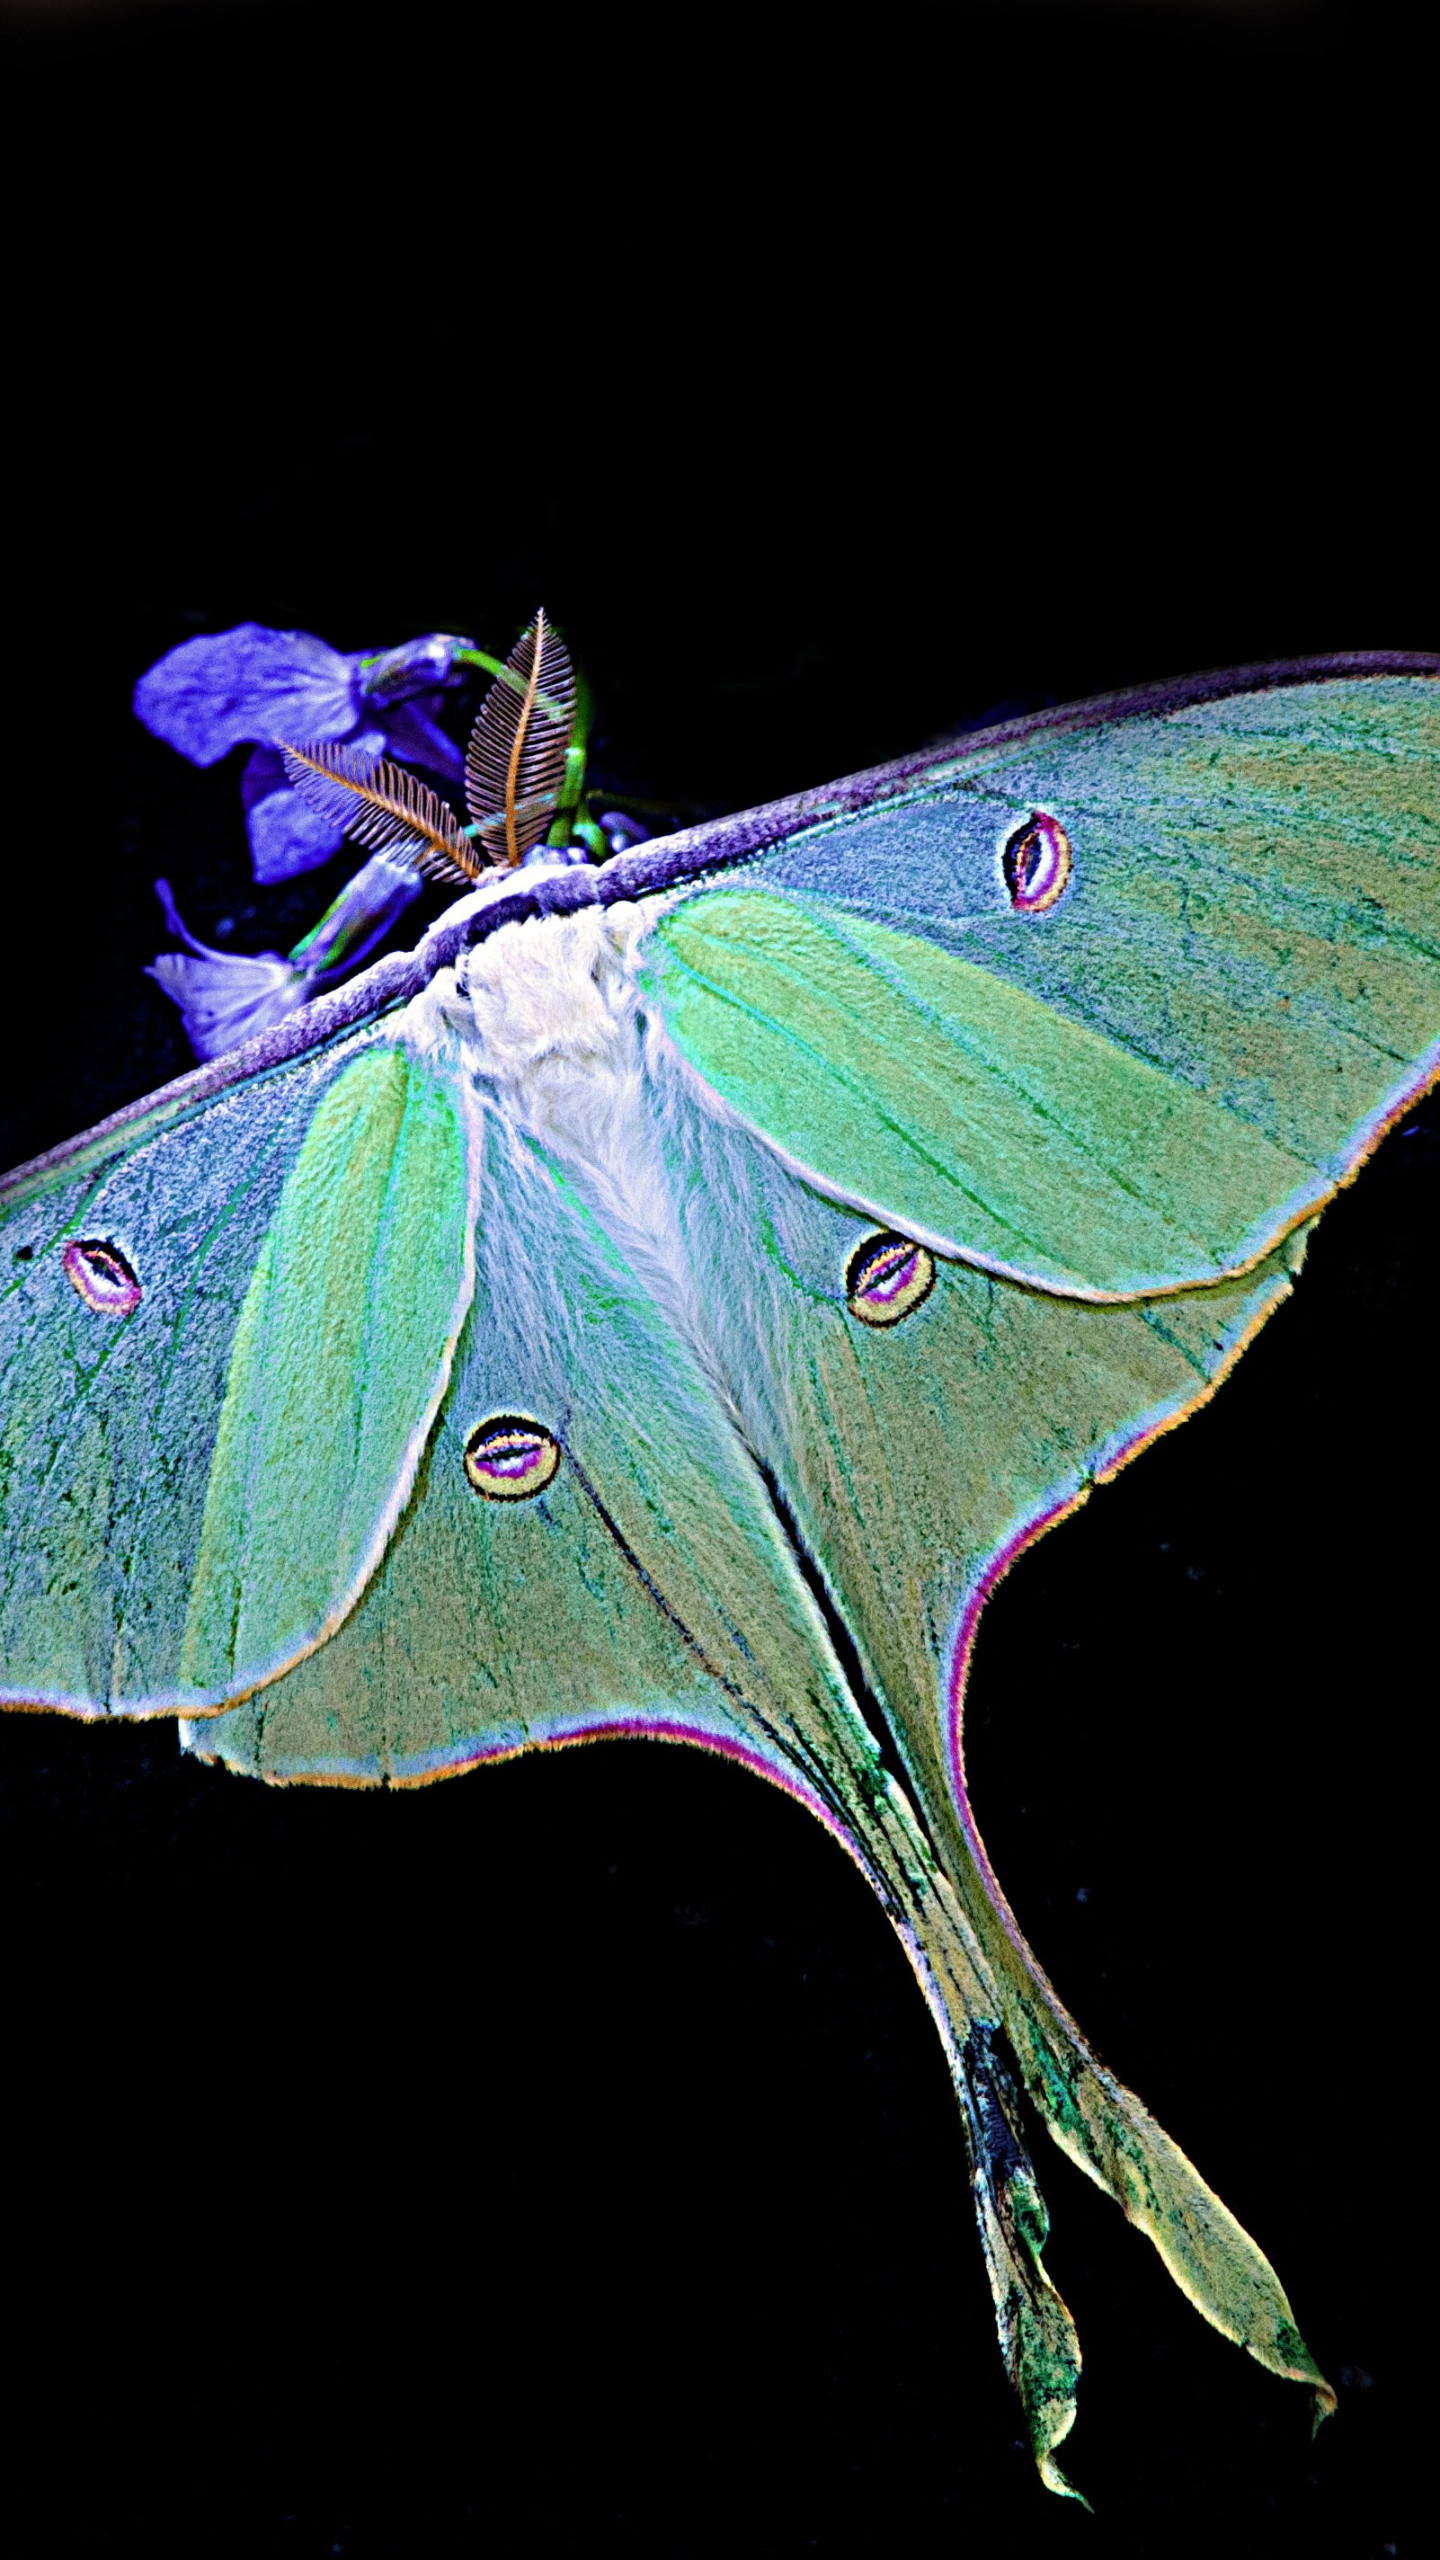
339	1362
1147	1086
195	1490
656	1586
614	1595
1136	1097
649	1588
915	1460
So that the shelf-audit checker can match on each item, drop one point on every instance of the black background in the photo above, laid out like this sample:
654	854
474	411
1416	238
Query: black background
562	2159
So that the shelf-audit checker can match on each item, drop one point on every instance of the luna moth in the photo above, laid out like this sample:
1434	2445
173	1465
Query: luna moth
668	1300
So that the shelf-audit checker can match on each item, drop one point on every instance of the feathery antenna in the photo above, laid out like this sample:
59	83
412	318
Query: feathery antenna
515	762
384	808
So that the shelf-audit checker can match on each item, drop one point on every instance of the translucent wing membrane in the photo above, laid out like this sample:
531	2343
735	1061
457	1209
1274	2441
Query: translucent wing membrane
384	808
515	762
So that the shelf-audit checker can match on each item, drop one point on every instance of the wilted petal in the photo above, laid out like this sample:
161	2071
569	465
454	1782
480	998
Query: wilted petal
417	666
286	835
413	736
224	996
212	694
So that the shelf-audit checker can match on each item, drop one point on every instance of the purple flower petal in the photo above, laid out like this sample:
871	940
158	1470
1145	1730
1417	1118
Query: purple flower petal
212	694
286	835
224	996
413	736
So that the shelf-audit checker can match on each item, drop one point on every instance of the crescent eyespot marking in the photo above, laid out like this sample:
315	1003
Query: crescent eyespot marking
510	1458
886	1278
1037	863
99	1273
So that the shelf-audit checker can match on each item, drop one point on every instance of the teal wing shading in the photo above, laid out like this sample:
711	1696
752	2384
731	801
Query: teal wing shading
1147	1084
914	1459
224	1332
1104	1124
649	1586
745	1468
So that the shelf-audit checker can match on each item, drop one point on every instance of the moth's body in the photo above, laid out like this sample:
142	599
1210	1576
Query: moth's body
679	1281
547	1029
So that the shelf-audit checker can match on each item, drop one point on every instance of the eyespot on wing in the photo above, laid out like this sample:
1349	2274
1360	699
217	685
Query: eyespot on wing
510	1458
887	1278
1037	863
102	1276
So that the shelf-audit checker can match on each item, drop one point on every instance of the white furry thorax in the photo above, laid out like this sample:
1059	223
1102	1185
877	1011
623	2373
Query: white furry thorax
546	1024
543	1019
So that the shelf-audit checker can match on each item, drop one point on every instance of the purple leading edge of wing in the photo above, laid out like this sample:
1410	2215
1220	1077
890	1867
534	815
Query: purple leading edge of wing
668	861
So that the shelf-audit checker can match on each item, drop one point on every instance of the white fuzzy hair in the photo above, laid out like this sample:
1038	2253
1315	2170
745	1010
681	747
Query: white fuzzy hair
546	1022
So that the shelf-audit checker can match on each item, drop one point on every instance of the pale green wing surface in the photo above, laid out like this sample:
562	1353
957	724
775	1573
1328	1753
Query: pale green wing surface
340	1359
915	1457
963	1109
1145	1086
114	1400
654	1584
647	1586
647	1582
